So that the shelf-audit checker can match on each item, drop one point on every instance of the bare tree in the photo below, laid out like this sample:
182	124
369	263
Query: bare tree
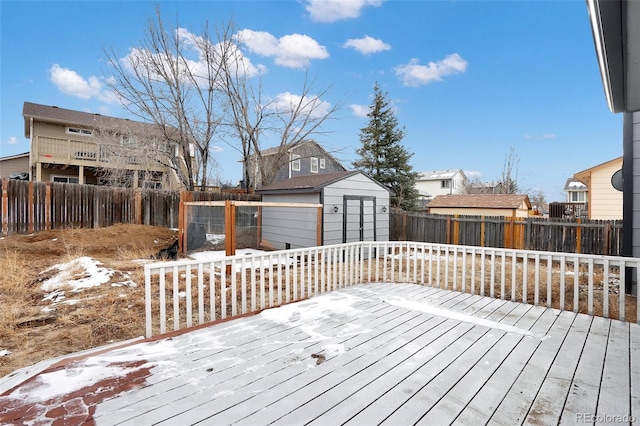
159	83
252	115
219	95
509	178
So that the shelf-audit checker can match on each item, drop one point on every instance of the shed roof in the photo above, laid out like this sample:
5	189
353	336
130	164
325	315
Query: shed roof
54	114
309	183
481	201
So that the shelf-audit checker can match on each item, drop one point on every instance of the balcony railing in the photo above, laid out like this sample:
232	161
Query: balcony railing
87	153
186	292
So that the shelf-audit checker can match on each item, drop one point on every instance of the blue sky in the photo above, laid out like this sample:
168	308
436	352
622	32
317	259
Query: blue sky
468	79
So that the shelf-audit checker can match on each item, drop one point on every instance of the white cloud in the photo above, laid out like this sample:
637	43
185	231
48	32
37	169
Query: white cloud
312	106
359	110
71	83
414	74
12	140
337	10
292	51
367	45
540	137
217	148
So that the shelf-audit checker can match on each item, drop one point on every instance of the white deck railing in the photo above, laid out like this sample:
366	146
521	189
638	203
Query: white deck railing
187	292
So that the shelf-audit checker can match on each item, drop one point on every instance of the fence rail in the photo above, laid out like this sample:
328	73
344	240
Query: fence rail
183	293
28	207
532	233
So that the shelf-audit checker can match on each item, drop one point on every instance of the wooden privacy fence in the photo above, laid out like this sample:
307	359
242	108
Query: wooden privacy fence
27	207
531	233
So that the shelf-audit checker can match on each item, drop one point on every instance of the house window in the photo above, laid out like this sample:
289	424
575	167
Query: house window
79	131
129	140
445	184
578	197
65	179
295	164
314	165
322	163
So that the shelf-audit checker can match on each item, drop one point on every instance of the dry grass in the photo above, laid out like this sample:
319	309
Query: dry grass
97	316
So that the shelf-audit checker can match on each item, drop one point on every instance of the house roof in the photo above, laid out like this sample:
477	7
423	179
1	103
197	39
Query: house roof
54	114
309	183
584	175
439	174
13	157
574	184
481	201
615	25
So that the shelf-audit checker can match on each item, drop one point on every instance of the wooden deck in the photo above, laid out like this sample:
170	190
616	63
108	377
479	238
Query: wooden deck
395	354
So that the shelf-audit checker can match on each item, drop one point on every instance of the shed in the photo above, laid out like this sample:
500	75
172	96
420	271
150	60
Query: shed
509	205
355	208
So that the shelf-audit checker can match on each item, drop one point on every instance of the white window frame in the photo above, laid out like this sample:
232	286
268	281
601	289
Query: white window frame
79	131
313	165
65	179
322	163
445	184
577	196
295	162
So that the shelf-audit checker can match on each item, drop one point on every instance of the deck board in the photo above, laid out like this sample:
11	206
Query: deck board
393	354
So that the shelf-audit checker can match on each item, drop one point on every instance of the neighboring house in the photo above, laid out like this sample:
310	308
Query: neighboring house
441	182
604	201
355	208
302	159
576	191
14	164
509	205
76	147
484	188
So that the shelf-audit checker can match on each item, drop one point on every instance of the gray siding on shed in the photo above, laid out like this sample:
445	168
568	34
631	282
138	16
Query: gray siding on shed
359	185
292	225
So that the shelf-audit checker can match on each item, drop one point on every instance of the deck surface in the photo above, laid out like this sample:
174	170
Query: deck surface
396	354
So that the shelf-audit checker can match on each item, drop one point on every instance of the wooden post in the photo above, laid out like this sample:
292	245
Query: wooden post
138	208
404	225
606	238
47	206
319	227
578	236
456	229
448	229
230	227
482	231
32	209
5	208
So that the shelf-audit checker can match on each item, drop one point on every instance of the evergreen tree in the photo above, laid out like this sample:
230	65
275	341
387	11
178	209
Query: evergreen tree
382	155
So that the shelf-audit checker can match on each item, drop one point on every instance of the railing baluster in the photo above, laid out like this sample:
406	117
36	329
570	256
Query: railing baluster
176	300
549	280
201	289
536	289
605	289
590	296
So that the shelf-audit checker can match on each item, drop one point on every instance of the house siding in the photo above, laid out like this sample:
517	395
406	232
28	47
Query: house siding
14	165
290	225
434	186
605	202
635	219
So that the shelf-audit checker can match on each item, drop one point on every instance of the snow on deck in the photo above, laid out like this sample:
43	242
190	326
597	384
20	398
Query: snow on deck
369	354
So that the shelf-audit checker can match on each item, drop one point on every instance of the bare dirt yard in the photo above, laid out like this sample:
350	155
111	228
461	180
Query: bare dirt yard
41	317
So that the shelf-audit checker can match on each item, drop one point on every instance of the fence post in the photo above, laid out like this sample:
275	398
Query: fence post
448	229
404	225
47	207
456	229
578	236
138	207
5	208
606	238
482	231
32	209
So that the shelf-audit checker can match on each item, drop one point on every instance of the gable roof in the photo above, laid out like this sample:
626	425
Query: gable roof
439	174
574	185
54	114
481	201
309	183
585	175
